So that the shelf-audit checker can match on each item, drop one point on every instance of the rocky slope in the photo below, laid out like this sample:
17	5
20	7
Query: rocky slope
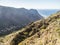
12	19
42	32
46	36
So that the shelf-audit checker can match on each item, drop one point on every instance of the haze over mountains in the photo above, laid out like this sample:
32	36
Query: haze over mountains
12	19
47	12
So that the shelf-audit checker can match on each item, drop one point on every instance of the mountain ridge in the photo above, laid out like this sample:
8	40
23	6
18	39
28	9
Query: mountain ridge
12	19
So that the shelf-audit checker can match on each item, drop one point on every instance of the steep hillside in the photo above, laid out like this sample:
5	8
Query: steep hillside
12	19
42	32
46	36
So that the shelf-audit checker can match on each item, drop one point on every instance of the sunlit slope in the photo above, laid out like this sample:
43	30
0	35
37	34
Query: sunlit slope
48	36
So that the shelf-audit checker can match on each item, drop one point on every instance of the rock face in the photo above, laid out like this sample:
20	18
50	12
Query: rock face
12	19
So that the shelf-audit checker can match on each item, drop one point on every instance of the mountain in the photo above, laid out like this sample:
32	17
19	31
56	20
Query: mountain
12	19
47	12
41	32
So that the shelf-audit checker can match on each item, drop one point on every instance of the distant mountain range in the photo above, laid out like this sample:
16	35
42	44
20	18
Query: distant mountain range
12	19
47	12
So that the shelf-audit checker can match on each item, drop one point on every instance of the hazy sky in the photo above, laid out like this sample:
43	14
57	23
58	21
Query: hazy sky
36	4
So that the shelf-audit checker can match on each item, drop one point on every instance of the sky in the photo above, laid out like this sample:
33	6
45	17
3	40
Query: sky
34	4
